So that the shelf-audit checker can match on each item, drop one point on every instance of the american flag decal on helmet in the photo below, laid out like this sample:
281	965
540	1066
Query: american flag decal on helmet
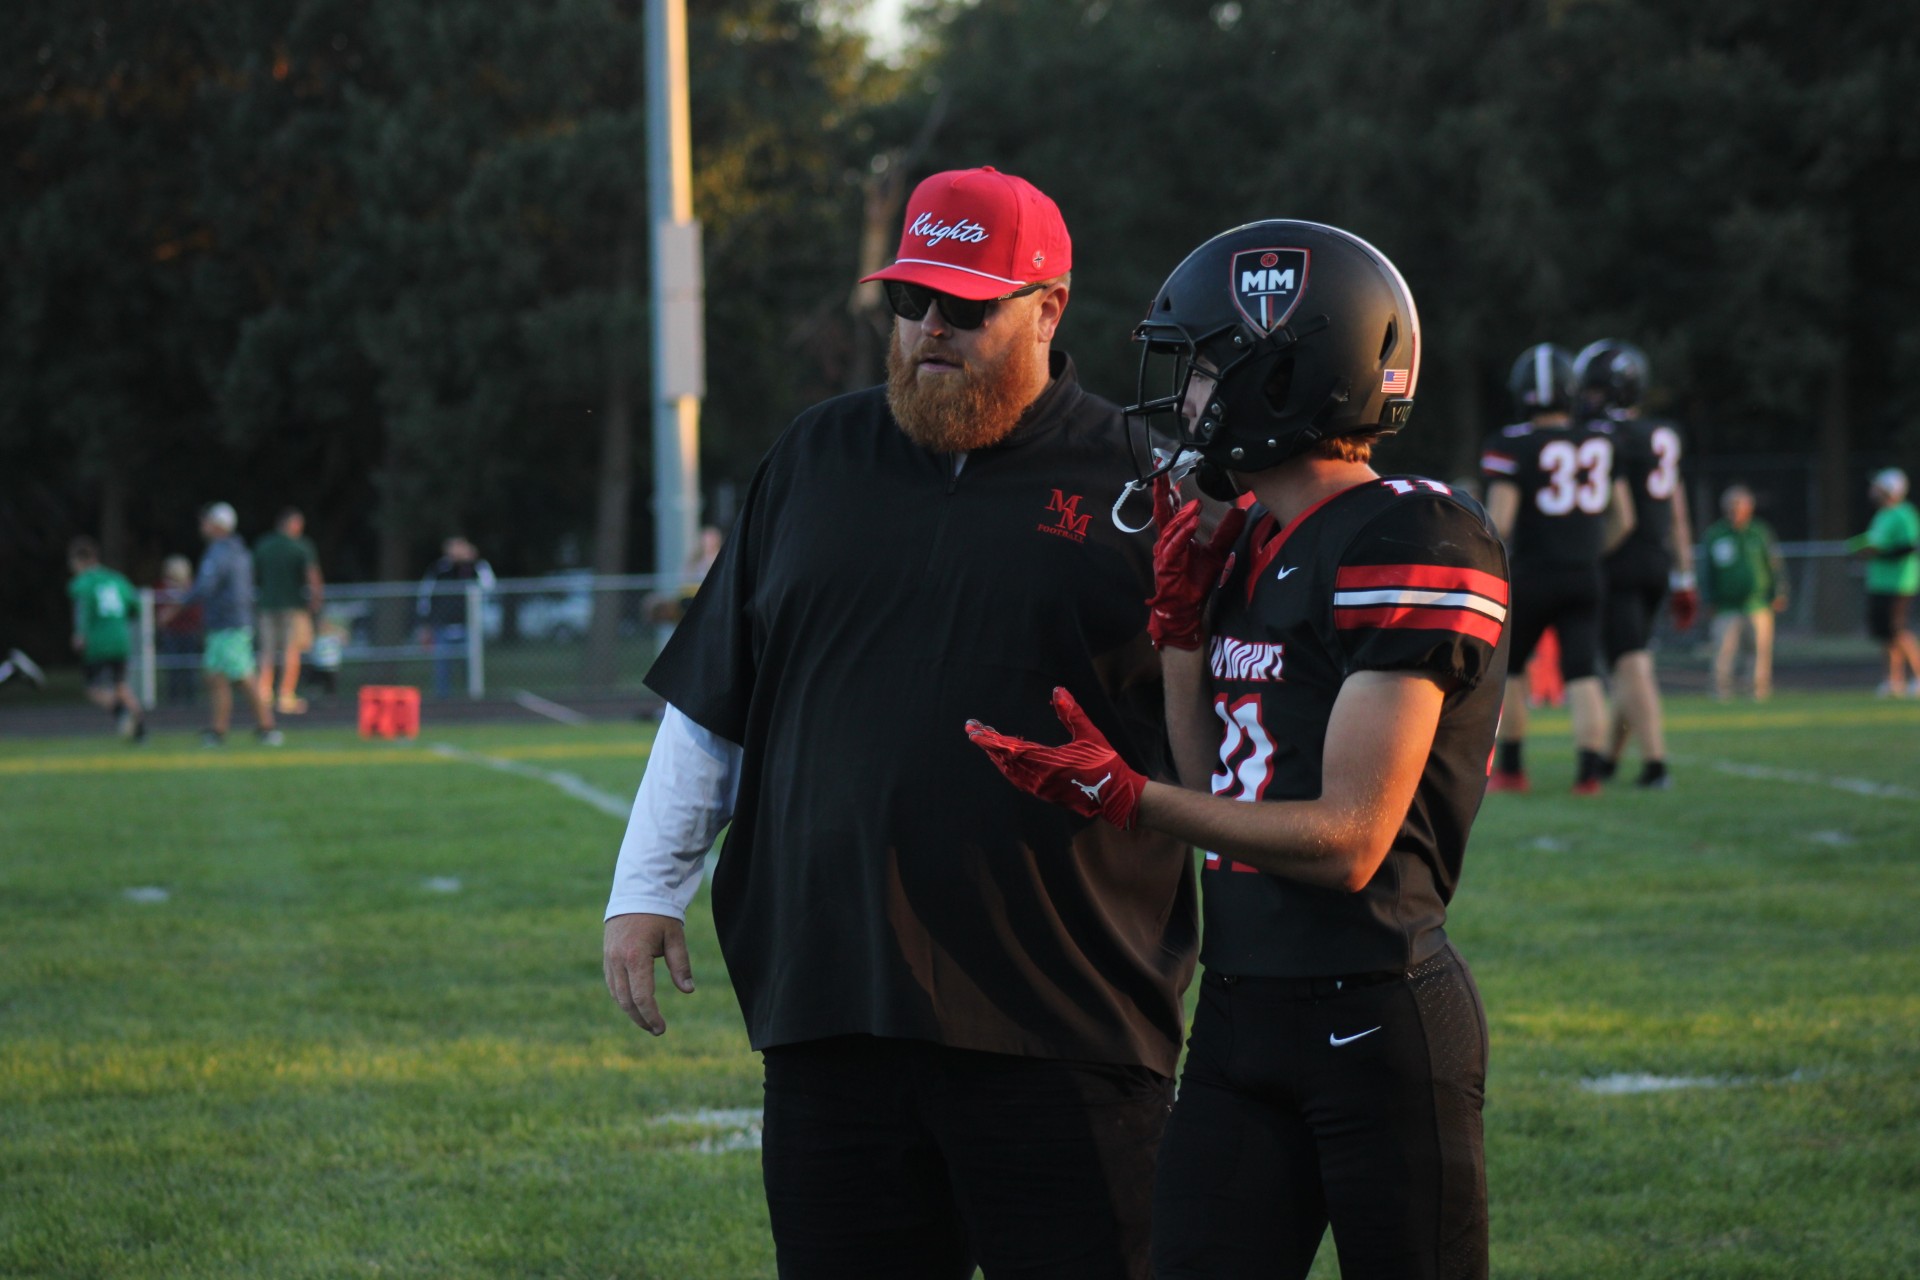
1420	597
1394	382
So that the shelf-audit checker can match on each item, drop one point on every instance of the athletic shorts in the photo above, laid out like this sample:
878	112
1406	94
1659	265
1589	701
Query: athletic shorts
1886	614
1306	1105
105	673
229	653
1568	600
284	631
1627	620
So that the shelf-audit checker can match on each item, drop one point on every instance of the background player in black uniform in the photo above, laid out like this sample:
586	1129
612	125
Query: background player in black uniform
1339	707
1655	558
1554	497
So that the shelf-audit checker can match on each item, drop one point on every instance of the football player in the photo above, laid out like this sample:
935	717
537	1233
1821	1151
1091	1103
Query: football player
1333	662
1553	495
1656	558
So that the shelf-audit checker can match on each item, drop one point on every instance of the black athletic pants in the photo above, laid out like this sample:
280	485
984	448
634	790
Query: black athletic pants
1568	600
900	1158
1307	1102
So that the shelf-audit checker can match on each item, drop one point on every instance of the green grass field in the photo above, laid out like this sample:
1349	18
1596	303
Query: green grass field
337	1011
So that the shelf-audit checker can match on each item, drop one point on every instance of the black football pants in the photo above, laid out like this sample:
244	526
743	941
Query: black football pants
1305	1104
899	1158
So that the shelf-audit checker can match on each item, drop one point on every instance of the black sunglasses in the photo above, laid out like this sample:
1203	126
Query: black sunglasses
910	302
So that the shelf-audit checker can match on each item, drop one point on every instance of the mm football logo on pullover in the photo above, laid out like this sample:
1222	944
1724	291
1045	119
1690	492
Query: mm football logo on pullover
1071	524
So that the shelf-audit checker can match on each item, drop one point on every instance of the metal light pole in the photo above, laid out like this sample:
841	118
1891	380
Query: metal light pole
679	348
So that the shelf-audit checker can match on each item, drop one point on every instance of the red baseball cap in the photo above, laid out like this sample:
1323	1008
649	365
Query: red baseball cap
979	233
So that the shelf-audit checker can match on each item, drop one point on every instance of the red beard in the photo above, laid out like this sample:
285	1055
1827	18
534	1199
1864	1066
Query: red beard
972	408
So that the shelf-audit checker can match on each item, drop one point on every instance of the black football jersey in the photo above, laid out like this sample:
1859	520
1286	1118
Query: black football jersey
1565	476
1395	574
1647	457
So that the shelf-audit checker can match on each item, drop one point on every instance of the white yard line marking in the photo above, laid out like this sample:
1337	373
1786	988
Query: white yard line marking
578	788
737	1129
1622	1082
1767	773
551	710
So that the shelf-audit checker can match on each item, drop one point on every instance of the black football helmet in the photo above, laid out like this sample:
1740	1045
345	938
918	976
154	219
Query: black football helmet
1542	380
1308	331
1614	373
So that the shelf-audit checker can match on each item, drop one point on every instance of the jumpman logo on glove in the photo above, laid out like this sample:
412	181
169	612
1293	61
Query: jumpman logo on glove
1066	774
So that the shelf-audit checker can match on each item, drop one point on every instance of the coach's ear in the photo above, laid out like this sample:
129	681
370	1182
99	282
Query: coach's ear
1053	305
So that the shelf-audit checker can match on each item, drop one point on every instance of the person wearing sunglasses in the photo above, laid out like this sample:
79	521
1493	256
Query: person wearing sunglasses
968	1002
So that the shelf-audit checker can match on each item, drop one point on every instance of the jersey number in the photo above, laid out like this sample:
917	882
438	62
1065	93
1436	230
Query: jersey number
1666	474
107	602
1246	750
1577	476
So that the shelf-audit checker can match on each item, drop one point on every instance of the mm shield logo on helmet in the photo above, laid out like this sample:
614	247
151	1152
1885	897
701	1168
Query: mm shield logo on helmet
1267	284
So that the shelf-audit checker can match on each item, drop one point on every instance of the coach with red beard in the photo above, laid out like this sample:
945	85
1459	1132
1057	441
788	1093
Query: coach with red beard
967	1000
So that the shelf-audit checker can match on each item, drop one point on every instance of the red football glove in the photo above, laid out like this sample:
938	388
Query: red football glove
1185	569
1085	775
1683	602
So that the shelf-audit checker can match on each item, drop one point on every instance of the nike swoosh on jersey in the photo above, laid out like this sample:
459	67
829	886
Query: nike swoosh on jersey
1284	572
1337	1041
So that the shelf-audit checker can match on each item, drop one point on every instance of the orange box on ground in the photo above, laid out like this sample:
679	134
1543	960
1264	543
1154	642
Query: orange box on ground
389	711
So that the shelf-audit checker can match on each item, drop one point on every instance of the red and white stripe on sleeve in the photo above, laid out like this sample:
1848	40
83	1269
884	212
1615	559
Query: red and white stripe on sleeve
1420	597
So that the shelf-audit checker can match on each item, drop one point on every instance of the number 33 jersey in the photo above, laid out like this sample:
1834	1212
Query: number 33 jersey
1394	574
1565	477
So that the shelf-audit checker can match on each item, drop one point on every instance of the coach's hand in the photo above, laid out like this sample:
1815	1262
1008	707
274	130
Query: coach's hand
1185	568
1086	775
633	943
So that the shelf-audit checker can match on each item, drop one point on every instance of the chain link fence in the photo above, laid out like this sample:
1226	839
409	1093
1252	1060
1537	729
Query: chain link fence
576	637
568	636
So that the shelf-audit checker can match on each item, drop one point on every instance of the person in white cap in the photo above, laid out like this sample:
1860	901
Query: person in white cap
969	1002
1893	577
224	589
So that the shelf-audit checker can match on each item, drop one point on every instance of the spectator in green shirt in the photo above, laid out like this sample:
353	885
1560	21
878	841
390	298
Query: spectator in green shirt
1893	578
288	569
1743	583
103	601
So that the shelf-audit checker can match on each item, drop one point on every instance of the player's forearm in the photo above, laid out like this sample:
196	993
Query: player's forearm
1316	842
1376	748
1682	532
1620	518
1503	507
1191	723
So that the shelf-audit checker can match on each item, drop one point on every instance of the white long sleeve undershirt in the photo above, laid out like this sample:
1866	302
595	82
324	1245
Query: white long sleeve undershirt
686	796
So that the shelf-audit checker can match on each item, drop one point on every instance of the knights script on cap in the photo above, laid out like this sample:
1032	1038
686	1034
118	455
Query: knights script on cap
979	233
933	231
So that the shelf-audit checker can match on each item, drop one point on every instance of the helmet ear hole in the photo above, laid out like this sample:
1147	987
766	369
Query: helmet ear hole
1279	384
1392	337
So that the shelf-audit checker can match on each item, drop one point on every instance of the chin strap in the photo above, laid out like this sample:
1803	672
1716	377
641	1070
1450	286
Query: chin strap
1173	464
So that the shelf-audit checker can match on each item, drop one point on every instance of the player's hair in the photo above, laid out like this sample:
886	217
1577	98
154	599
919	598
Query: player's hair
1357	447
1734	493
286	514
84	549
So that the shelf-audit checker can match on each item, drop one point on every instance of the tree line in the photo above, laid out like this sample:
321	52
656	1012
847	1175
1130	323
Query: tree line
387	261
